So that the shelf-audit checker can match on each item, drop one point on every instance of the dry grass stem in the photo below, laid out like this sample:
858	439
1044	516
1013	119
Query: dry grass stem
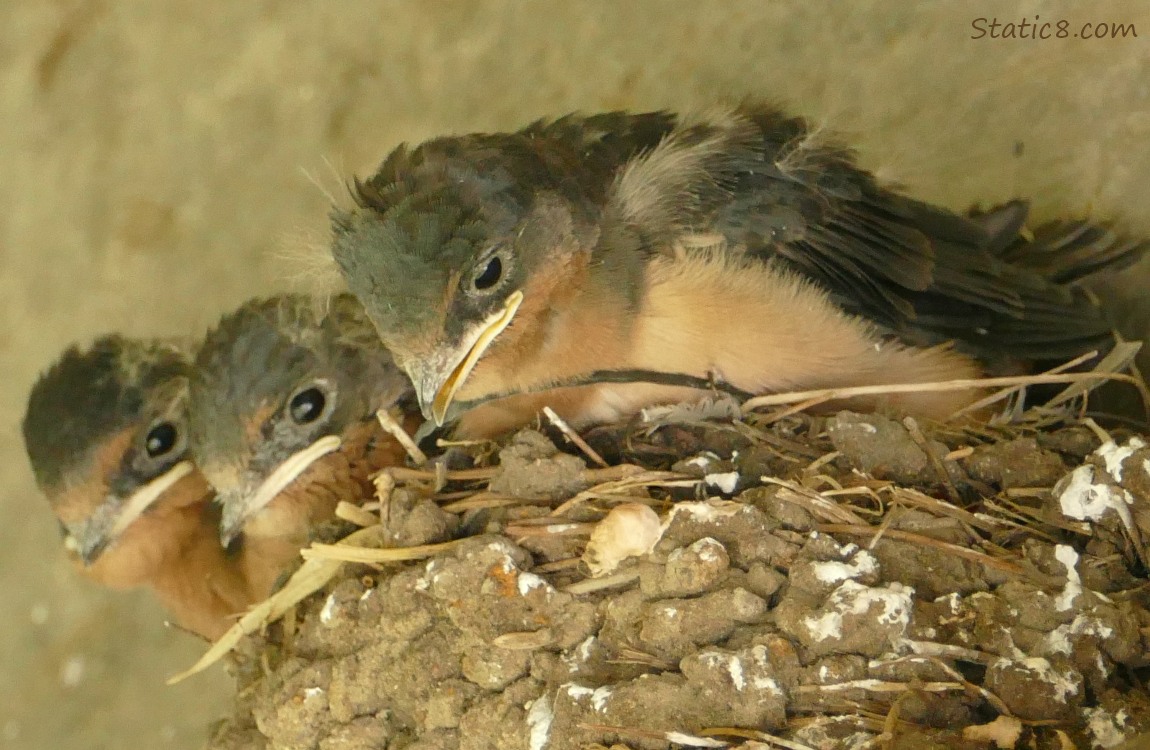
388	423
573	436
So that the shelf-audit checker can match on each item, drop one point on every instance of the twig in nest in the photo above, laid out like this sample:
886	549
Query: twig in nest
555	566
880	686
1121	357
954	674
462	475
678	738
948	651
755	735
814	466
346	553
598	584
1008	392
965	451
819	506
356	514
311	577
821	395
1102	435
491	500
573	436
633	478
920	440
926	541
522	529
915	499
388	423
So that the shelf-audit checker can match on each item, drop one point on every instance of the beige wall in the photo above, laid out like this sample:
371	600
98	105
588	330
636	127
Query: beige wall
153	159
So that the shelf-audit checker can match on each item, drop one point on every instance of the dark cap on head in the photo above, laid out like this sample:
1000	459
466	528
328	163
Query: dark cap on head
280	383
88	396
268	351
429	212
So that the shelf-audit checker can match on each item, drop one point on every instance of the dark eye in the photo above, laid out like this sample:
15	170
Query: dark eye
489	275
307	405
161	440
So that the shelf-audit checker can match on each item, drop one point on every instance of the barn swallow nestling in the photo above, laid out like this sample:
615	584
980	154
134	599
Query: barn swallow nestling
106	434
735	248
283	421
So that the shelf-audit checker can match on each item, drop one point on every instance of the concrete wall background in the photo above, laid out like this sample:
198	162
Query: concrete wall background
153	160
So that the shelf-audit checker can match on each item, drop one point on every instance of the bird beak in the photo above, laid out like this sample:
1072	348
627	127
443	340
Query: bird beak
239	506
90	538
438	377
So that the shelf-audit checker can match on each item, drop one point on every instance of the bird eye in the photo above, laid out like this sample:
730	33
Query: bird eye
161	440
306	406
489	275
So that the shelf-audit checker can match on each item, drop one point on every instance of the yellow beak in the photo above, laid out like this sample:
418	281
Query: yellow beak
439	377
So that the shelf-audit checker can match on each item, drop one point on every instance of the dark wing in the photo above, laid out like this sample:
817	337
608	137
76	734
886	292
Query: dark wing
918	271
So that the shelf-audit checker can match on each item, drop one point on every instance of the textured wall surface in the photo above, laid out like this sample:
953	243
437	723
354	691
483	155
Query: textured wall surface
156	162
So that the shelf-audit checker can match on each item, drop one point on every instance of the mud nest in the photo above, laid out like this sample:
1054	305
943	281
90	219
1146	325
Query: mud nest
690	581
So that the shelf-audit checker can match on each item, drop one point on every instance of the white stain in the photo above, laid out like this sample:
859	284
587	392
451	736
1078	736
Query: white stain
852	598
725	482
1066	555
328	612
1106	729
539	718
1084	500
1113	455
830	572
529	581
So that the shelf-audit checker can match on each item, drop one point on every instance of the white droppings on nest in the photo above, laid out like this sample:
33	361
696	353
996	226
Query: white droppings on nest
502	545
1064	687
823	732
733	664
952	600
1058	641
539	718
579	655
72	672
703	460
690	740
328	612
1066	555
866	427
706	549
1106	729
1114	455
576	691
1101	665
312	692
725	482
599	698
529	582
629	530
1084	500
735	669
863	563
852	598
364	596
762	660
429	577
710	510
